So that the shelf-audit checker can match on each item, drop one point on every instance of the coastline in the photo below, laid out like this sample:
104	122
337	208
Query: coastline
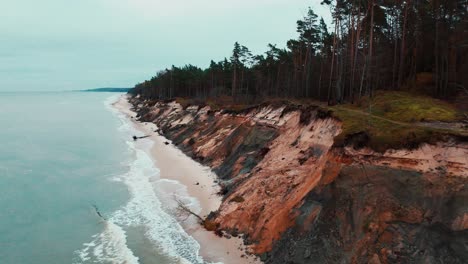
198	182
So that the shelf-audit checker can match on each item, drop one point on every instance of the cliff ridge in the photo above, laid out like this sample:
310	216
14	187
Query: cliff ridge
299	197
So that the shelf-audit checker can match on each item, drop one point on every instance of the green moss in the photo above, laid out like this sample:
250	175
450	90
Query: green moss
391	122
381	134
406	107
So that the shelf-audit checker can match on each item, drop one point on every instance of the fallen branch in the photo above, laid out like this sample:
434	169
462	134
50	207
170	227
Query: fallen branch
182	207
99	213
135	137
208	224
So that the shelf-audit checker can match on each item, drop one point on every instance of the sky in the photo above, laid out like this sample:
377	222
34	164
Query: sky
55	45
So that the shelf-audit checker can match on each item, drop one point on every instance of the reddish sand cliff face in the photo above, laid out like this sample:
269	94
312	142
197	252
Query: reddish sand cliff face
288	172
298	198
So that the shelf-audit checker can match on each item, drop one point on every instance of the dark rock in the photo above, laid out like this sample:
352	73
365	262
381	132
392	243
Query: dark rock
191	142
219	232
351	207
307	114
357	140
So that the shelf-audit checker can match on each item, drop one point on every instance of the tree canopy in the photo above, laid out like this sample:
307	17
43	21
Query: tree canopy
412	45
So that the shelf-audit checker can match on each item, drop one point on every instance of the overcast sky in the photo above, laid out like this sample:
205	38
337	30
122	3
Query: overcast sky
80	44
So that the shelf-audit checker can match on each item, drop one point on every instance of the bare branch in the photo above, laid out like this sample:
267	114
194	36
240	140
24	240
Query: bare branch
181	206
98	212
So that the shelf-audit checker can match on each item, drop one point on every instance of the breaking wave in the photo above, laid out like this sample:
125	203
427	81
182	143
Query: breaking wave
145	210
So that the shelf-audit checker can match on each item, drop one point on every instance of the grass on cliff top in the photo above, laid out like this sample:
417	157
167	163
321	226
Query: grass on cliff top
407	107
380	134
186	102
391	123
216	104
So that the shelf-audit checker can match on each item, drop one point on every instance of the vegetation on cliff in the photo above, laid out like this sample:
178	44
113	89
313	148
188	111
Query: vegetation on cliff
397	120
417	46
271	133
388	72
378	71
388	120
296	198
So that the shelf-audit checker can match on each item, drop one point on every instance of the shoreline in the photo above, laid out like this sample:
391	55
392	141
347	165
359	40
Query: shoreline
198	181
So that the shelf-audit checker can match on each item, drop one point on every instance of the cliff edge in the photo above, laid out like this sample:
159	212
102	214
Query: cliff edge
298	196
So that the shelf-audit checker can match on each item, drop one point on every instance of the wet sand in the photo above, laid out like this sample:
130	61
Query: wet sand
200	183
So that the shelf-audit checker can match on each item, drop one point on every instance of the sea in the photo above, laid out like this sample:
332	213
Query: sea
76	188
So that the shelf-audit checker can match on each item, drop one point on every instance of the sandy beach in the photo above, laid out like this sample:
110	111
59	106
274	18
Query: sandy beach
197	181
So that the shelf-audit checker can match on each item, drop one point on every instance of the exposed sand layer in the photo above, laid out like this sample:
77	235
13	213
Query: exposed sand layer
200	184
300	199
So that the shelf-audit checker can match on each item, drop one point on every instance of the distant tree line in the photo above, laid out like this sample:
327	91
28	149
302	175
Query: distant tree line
374	45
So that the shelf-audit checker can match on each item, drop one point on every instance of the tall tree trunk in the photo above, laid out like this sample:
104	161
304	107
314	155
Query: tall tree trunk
363	73
241	86
234	83
278	80
371	43
358	35
332	62
437	48
340	62
171	86
320	78
351	55
395	48
403	46
308	70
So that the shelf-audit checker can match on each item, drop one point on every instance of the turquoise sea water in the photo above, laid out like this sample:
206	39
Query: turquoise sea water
62	153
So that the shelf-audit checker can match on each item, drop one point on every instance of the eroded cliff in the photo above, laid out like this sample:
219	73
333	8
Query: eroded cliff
299	198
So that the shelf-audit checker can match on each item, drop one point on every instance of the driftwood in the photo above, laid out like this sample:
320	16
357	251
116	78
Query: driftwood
135	137
184	209
98	212
208	224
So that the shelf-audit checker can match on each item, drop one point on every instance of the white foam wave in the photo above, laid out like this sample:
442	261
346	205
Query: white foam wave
143	210
110	100
168	190
110	246
125	126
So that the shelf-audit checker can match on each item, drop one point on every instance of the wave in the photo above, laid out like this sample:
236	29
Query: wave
110	246
144	209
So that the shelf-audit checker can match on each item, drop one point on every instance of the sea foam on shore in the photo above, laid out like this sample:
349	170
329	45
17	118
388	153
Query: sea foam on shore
144	210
